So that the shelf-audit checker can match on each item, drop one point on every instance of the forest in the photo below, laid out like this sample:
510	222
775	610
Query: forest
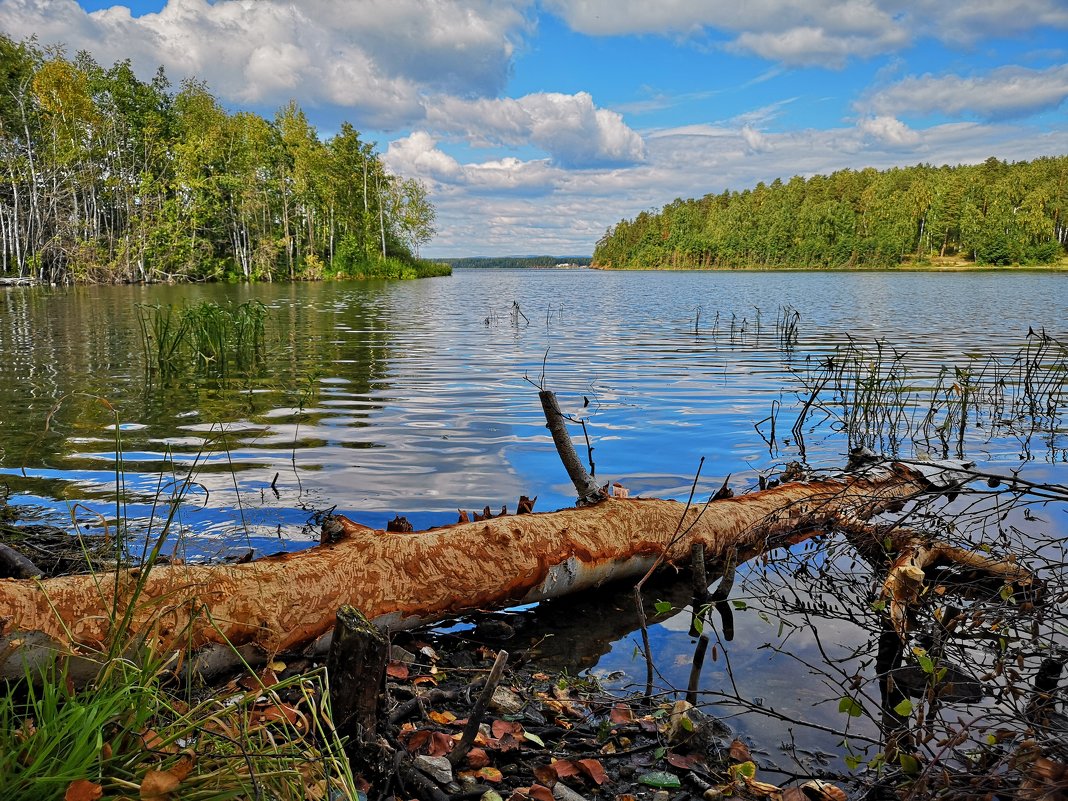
109	178
994	213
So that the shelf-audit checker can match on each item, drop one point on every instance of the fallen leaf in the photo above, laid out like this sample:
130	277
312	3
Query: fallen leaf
424	680
499	728
490	774
594	769
621	713
565	768
277	666
83	790
660	780
477	758
541	677
397	670
762	788
533	738
684	761
268	677
546	774
429	653
417	740
184	767
540	792
739	751
157	784
444	718
440	744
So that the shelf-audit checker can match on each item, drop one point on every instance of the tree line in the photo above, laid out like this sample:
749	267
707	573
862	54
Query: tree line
515	262
106	177
992	213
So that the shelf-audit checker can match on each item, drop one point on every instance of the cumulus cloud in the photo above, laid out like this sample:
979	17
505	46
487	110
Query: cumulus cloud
569	127
889	130
563	211
378	56
1003	93
814	32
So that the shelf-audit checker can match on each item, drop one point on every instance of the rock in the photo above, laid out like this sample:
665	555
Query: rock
398	654
505	702
437	768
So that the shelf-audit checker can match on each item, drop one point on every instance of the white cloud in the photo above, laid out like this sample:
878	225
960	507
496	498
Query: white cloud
1003	93
815	32
377	56
965	23
889	130
569	127
809	46
526	207
790	31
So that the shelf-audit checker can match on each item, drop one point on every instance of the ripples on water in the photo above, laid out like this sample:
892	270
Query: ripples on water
414	398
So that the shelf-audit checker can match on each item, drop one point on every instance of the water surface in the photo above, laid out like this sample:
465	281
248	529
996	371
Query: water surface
419	398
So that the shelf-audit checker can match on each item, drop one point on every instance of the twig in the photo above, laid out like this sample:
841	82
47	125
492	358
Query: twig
474	720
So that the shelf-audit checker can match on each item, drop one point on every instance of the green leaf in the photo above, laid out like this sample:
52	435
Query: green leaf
926	663
741	606
534	738
685	724
662	607
661	780
904	709
659	753
743	769
853	761
850	706
699	625
909	763
879	606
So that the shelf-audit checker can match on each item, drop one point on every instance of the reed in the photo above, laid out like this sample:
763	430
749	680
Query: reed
879	401
205	335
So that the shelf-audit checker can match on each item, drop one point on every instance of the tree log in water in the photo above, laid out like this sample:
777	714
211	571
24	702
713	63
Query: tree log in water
402	580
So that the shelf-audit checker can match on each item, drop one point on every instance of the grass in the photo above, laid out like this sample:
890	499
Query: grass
126	736
137	731
206	335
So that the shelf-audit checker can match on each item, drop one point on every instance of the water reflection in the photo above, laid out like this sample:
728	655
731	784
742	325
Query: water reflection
385	398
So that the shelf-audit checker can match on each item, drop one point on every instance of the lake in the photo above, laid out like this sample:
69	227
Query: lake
419	398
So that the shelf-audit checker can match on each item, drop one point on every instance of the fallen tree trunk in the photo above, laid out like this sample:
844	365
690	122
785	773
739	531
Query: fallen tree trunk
287	602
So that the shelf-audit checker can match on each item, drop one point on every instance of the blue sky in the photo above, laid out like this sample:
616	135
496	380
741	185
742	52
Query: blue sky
537	124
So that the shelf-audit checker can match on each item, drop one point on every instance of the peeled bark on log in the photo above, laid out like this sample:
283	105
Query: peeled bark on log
402	580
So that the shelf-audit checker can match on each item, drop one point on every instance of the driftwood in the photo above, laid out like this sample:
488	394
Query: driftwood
402	580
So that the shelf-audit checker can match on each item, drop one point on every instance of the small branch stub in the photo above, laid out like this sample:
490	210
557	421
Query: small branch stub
587	489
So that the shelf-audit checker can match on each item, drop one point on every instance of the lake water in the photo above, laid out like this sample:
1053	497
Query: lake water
416	398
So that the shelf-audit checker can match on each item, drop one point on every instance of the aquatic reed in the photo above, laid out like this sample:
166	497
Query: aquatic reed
206	335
